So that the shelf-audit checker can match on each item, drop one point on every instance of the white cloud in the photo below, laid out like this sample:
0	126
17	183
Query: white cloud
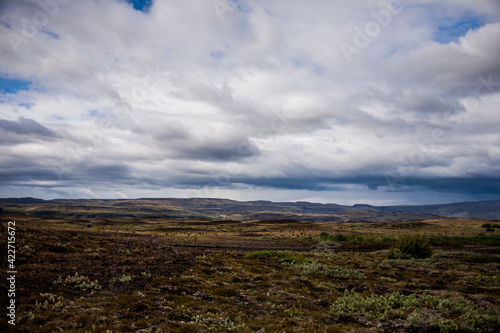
261	97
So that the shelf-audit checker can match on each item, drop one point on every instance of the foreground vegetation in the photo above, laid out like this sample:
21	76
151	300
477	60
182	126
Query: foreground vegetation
261	276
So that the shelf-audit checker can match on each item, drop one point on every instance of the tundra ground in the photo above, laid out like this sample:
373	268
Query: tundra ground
167	275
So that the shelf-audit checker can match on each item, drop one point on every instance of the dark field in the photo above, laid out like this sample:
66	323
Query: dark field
170	275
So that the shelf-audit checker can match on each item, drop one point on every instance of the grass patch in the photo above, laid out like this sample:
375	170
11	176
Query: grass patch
442	314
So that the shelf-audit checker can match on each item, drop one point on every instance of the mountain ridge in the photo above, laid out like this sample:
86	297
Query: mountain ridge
215	208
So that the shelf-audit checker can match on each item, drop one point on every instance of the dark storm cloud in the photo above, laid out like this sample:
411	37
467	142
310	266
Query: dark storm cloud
25	173
476	185
25	127
23	130
212	149
108	173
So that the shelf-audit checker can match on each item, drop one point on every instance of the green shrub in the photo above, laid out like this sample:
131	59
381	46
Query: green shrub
324	236
340	238
486	239
123	279
446	314
393	253
490	229
78	282
453	241
417	247
281	257
333	272
486	225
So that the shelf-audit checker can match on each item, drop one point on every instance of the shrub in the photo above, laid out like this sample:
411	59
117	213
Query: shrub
487	239
340	238
124	278
325	237
490	229
453	241
486	225
281	257
393	253
334	272
417	247
264	254
446	314
78	282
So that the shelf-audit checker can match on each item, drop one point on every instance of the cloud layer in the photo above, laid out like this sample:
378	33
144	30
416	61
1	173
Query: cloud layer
363	101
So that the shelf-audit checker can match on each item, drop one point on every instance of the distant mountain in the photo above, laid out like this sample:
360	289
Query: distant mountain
213	209
488	210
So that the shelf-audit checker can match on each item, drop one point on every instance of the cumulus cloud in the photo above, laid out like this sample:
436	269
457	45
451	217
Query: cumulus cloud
191	99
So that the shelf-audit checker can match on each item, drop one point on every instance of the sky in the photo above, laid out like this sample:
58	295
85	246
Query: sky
370	101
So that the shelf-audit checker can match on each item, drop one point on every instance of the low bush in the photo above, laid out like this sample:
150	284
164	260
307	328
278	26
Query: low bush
486	239
446	315
324	236
417	247
78	282
353	239
451	241
333	272
279	256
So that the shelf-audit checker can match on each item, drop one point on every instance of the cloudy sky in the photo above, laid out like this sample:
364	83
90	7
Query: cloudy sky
369	101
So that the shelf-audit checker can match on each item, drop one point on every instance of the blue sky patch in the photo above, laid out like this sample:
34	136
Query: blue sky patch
217	55
449	30
51	34
12	85
141	5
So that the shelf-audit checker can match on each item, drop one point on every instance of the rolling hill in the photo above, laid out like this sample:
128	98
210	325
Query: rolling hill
218	209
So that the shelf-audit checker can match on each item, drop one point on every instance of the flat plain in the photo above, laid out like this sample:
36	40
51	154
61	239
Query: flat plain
154	274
